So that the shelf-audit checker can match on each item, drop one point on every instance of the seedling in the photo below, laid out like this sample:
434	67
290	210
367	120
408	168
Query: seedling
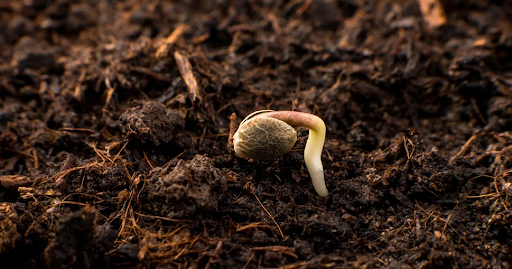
266	134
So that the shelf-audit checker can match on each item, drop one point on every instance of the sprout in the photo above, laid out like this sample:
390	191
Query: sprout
266	134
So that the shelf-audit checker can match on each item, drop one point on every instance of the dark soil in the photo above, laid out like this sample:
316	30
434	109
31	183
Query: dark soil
114	126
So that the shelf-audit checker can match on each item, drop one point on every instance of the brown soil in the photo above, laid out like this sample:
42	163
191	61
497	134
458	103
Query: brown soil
114	126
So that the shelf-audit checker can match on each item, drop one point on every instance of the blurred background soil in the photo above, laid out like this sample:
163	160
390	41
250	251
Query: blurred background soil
114	124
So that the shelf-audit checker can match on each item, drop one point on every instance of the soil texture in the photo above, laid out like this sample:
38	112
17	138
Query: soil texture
116	118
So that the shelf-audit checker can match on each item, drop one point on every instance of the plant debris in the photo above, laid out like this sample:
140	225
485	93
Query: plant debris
116	119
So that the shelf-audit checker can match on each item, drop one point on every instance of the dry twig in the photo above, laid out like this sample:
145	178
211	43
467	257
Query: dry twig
464	148
164	48
185	69
272	217
232	130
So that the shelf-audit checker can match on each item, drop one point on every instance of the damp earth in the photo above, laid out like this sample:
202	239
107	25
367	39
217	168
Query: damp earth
115	124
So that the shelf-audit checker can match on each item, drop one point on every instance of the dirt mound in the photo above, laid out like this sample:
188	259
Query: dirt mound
185	190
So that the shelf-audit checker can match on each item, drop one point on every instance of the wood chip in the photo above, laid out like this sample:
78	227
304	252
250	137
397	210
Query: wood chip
438	234
163	49
200	39
432	12
186	72
14	181
480	42
232	131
